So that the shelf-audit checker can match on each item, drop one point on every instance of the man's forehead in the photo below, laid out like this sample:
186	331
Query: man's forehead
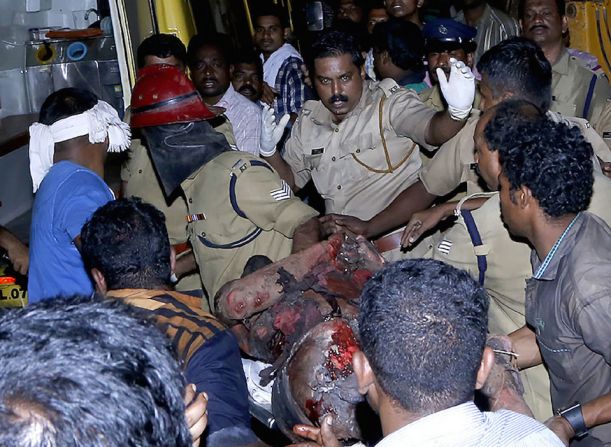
528	4
334	64
268	21
245	67
209	51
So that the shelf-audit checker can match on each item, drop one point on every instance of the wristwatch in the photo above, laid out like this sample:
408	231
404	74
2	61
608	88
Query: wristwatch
574	416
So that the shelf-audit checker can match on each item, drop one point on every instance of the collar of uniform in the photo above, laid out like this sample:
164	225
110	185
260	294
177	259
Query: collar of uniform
567	244
562	64
322	116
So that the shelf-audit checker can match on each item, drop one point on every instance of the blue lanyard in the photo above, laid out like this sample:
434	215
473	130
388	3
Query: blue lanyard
552	252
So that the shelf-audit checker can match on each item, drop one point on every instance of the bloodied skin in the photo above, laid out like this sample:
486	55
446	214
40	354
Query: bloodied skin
299	314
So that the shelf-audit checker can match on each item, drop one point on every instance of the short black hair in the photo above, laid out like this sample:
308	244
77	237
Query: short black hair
402	40
127	241
560	6
88	372
267	8
334	43
374	4
220	41
162	46
513	112
66	102
519	67
422	326
247	56
552	159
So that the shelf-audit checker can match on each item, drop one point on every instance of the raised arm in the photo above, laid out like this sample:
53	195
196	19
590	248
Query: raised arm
459	92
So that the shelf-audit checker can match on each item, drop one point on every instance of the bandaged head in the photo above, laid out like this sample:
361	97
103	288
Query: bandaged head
99	123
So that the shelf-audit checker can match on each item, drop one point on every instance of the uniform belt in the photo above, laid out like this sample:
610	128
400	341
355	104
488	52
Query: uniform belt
389	242
181	248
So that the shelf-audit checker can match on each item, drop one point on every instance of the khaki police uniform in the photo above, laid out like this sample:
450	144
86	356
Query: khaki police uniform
239	207
361	164
602	123
507	261
506	270
433	98
576	89
140	179
454	162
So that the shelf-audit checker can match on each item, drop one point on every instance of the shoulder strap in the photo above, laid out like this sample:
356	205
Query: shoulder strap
482	262
388	86
476	239
588	101
237	169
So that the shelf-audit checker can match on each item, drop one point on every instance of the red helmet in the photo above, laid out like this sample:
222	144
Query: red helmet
163	94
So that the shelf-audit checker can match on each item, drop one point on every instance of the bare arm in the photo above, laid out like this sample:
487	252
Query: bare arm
423	221
525	346
595	412
400	210
442	127
185	264
17	251
283	169
306	235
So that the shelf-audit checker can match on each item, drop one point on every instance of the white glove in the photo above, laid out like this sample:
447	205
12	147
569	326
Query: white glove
270	131
459	90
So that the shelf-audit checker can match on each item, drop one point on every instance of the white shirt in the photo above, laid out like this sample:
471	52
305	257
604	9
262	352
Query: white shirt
245	118
466	426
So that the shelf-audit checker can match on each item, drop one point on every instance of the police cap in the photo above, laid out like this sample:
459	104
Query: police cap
447	34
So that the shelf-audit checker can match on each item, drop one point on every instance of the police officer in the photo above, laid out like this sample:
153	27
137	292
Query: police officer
139	177
238	207
479	243
577	90
445	39
507	71
359	143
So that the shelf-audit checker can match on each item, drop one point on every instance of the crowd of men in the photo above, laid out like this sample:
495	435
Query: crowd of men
462	148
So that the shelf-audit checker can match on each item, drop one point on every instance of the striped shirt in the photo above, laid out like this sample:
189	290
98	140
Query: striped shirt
245	118
466	426
493	27
292	91
180	316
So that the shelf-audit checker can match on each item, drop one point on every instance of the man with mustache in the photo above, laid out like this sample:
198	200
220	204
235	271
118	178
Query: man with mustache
247	75
359	143
208	59
139	177
445	39
576	89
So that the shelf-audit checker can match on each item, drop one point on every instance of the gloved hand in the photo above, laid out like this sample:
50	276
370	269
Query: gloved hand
270	131
459	90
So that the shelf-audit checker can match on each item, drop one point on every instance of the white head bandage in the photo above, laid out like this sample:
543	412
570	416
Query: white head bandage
99	122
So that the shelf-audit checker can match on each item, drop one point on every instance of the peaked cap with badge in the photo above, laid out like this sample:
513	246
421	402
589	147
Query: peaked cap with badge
447	34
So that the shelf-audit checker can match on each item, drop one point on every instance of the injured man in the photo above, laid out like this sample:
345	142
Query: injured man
336	327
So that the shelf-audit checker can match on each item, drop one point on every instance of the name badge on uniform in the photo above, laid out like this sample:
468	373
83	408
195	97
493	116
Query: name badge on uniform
318	151
606	135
